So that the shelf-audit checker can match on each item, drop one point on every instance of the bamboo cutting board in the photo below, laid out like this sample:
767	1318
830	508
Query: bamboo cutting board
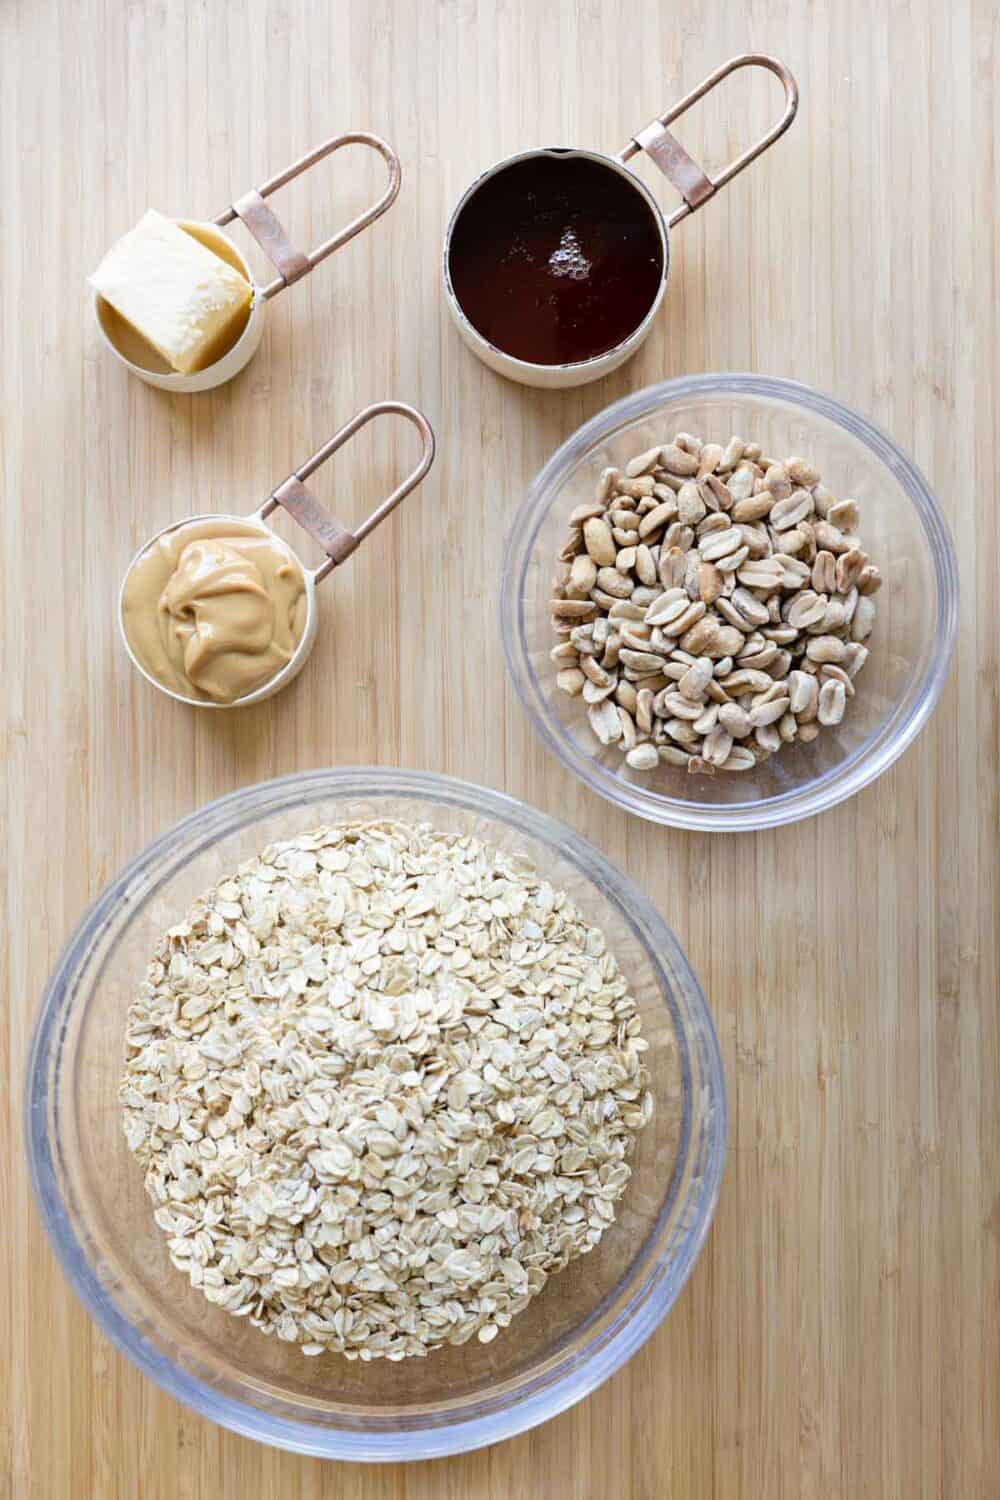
839	1336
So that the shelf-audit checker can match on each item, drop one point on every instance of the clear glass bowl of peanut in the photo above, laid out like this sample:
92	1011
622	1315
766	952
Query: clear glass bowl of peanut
729	602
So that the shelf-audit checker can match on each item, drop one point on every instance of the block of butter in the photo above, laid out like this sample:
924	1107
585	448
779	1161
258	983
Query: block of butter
180	296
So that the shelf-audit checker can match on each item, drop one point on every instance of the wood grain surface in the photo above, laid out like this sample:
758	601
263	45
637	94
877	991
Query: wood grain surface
839	1336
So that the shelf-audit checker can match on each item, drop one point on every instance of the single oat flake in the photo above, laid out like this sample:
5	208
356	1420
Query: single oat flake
383	1081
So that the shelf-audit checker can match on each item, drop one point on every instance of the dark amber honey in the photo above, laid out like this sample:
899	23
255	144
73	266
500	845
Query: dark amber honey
556	259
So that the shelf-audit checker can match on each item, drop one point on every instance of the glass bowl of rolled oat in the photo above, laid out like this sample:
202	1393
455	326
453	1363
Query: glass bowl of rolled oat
375	1115
728	602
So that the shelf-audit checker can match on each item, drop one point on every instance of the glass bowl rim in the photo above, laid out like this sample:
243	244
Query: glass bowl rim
802	802
586	1368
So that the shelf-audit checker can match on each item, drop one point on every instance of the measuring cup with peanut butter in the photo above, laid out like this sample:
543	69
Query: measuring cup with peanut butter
219	612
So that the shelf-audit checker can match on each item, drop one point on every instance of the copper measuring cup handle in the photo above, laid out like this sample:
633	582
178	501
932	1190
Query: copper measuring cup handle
268	230
691	180
337	541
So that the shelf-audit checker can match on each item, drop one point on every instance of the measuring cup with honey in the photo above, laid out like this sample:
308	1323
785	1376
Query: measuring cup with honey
556	259
219	612
218	358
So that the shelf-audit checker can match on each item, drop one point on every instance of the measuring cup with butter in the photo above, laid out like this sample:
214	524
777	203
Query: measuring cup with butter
176	301
218	611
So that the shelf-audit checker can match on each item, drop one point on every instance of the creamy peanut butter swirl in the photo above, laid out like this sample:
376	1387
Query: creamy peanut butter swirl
215	608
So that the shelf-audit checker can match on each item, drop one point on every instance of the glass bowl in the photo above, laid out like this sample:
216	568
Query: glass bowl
586	1322
901	526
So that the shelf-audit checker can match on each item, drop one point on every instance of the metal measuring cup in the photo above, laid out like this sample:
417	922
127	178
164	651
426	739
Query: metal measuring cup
692	182
338	541
290	263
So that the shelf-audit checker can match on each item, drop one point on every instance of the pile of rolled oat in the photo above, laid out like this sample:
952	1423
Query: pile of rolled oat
713	604
383	1081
